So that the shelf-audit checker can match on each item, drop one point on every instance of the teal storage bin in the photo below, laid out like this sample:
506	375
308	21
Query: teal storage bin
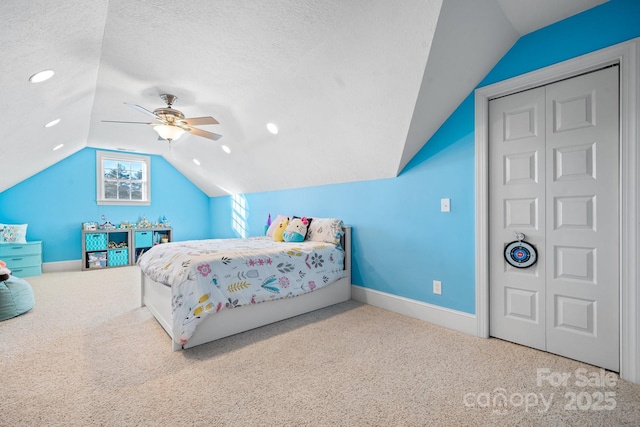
96	241
118	257
144	239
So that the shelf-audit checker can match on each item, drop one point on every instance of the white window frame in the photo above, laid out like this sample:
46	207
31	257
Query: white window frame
101	156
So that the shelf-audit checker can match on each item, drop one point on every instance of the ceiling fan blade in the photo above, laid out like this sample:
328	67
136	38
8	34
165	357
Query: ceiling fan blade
205	134
135	123
142	110
197	121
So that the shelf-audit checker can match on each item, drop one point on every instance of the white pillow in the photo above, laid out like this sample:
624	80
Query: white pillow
327	230
13	233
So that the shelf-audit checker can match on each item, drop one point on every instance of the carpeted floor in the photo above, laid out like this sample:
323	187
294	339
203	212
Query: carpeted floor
87	354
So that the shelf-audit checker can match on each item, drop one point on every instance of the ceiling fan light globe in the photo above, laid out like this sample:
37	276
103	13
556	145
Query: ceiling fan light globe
169	132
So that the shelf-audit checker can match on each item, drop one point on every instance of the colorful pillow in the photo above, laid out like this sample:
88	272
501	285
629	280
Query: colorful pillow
275	223
296	230
309	220
13	233
327	230
279	231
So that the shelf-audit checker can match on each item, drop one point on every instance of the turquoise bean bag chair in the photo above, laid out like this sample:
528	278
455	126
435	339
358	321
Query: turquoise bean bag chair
16	297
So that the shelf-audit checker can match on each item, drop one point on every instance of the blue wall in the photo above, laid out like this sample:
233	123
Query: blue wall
401	240
56	201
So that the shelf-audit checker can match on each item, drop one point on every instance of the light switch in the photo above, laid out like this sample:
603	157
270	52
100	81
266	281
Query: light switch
445	205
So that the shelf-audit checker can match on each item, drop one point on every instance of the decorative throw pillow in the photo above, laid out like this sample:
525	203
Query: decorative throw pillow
279	231
327	230
16	233
275	223
309	220
296	230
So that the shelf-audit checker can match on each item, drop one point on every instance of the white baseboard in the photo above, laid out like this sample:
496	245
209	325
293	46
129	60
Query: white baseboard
452	319
53	267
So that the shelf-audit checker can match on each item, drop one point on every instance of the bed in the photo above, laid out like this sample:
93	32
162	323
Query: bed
239	299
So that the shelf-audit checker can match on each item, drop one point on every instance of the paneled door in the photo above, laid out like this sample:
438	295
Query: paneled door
553	162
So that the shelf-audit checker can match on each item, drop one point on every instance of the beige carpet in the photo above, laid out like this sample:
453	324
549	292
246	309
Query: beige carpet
87	354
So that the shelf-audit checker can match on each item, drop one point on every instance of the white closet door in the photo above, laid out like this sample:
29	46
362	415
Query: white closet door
582	237
554	177
517	204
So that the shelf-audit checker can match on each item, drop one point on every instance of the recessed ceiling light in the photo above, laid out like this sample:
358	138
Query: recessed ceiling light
272	128
57	147
41	76
226	149
52	123
196	161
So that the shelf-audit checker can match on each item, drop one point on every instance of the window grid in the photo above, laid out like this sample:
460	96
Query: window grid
123	179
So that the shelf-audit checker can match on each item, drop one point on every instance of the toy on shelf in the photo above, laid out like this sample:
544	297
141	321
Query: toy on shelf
163	222
144	223
106	225
116	245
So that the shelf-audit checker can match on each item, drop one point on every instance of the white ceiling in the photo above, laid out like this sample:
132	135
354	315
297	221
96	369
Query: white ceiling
356	87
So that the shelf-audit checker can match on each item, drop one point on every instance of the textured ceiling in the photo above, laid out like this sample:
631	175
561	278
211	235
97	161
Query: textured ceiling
356	87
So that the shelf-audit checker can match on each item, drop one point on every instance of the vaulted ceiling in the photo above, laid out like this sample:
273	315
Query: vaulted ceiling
355	87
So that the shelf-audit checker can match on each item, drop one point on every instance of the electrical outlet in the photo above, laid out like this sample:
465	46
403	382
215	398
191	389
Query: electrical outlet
437	287
445	205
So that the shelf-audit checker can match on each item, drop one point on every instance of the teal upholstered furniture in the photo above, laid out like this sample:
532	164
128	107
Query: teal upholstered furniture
16	297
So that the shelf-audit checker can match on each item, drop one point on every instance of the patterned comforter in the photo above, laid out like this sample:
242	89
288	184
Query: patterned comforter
207	276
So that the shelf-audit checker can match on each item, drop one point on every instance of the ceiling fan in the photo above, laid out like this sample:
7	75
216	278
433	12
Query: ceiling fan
171	124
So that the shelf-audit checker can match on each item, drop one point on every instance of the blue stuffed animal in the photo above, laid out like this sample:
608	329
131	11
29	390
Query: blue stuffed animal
296	230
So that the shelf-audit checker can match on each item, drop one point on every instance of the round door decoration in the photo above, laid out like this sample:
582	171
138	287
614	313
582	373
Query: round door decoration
520	254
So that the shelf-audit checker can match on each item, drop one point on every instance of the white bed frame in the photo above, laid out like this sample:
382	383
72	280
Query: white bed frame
157	298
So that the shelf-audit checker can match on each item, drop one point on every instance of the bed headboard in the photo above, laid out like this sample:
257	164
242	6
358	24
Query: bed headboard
345	242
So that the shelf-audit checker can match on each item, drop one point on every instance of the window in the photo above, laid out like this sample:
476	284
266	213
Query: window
123	179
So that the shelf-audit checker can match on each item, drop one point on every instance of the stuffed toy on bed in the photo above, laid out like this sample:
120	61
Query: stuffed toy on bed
296	230
279	230
4	271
